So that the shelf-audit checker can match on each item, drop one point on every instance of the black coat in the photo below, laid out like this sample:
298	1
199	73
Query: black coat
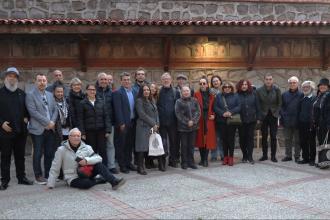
250	109
165	105
233	103
305	110
74	103
13	110
325	109
289	109
106	96
93	118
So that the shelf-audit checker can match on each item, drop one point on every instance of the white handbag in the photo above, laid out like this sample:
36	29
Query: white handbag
155	144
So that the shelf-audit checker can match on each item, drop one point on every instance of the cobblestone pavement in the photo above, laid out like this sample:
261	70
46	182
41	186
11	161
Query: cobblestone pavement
261	191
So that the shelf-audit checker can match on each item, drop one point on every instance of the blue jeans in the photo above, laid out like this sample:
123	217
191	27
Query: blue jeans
219	148
43	144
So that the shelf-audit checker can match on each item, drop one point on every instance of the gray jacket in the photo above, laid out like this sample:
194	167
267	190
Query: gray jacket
147	118
187	109
269	100
37	111
65	158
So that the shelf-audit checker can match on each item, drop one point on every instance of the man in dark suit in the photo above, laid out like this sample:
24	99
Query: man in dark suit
13	133
123	103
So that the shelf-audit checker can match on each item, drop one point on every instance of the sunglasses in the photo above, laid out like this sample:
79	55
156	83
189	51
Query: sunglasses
202	84
226	87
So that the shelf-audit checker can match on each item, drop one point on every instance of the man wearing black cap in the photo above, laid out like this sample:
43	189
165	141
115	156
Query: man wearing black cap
13	132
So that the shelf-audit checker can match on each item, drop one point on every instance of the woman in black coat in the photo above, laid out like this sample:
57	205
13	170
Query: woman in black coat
249	116
75	97
94	122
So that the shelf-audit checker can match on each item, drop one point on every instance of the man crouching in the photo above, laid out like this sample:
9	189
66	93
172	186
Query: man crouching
73	154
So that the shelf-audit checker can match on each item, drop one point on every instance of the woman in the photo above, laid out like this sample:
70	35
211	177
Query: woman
249	117
154	89
215	89
75	97
147	119
94	122
206	137
187	113
227	104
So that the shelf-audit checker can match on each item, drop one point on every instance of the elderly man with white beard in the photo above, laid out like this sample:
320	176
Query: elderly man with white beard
13	132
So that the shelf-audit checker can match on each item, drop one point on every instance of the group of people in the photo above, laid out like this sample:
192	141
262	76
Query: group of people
109	127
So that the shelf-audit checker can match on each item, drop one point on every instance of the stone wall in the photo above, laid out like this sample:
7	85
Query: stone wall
157	9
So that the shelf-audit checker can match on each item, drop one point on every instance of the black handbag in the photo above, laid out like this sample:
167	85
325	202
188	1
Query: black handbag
324	154
234	119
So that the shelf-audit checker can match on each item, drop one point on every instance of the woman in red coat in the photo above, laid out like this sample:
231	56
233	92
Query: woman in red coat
206	135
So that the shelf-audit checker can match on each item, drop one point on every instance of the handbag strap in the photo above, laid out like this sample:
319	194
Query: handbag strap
225	103
326	139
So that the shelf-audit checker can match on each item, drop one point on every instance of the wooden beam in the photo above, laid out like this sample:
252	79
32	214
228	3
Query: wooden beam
325	54
253	46
167	52
83	49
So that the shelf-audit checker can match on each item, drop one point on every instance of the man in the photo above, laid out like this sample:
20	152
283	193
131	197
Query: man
182	80
289	119
104	93
43	114
110	81
270	100
140	79
123	103
74	153
168	123
58	78
13	133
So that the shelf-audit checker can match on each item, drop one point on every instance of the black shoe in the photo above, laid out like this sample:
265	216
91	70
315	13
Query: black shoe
193	166
296	159
244	160
312	163
285	159
132	167
251	161
124	170
3	186
263	158
274	159
183	166
173	164
201	163
302	161
25	181
161	164
141	171
114	171
205	163
100	180
117	183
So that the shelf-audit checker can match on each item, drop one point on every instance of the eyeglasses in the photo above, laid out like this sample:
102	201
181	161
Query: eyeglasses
226	87
91	89
202	84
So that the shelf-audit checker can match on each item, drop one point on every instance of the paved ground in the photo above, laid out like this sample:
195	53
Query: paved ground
261	191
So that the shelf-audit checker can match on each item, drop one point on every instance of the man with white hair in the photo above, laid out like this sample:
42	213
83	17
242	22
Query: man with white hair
289	119
75	153
307	131
13	132
58	79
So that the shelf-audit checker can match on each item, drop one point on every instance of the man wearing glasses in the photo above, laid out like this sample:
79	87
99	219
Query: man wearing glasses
43	114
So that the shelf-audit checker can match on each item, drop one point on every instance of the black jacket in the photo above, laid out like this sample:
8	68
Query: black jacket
325	109
305	110
13	110
250	109
106	96
165	105
74	103
93	118
289	109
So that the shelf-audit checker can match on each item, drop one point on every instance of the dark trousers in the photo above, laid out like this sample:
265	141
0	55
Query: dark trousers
172	148
271	123
187	144
97	140
204	153
9	145
307	141
321	134
228	138
246	139
124	145
43	144
86	183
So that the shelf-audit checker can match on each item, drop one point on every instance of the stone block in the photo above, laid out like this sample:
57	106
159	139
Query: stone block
282	17
55	15
290	15
101	15
186	15
131	14
122	5
42	4
3	14
104	4
175	15
59	7
148	6
21	4
89	14
314	17
266	9
196	9
253	9
18	14
8	4
74	15
211	8
92	4
242	9
117	14
301	17
37	13
144	15
165	15
231	18
227	9
325	17
167	5
78	5
280	9
268	18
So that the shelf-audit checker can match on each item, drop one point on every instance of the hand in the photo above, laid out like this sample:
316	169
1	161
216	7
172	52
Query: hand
5	126
155	128
212	117
50	126
26	120
190	123
83	137
107	135
122	127
83	162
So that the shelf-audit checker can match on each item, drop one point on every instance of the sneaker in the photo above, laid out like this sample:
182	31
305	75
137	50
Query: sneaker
117	183
41	180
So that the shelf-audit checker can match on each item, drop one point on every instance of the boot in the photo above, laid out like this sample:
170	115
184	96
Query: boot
206	156
140	162
161	163
230	161
149	162
225	160
202	154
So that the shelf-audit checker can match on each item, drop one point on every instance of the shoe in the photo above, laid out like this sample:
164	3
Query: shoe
114	171
117	183
230	161
41	180
302	161
213	159
244	160
124	170
205	163
183	166
161	164
132	167
225	161
312	163
274	159
263	158
99	179
173	164
285	159
251	161
296	159
3	186
25	181
201	163
193	166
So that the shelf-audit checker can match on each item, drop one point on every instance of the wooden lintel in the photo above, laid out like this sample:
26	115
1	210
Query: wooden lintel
83	47
253	47
325	54
167	53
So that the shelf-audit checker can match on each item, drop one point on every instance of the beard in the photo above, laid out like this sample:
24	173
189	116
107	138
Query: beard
308	92
11	86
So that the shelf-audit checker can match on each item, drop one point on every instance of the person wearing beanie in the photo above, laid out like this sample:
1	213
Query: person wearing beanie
325	110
